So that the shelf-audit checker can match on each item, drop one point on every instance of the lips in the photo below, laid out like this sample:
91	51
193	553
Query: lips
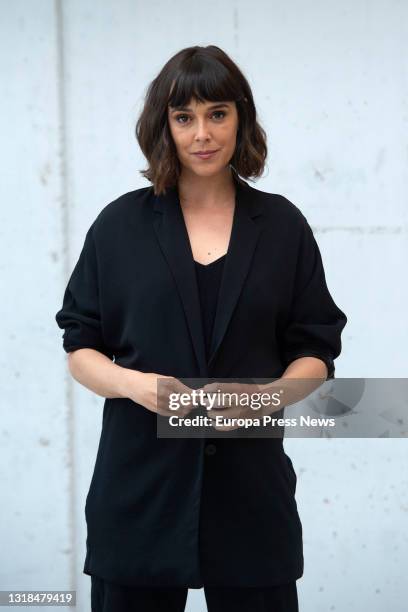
206	154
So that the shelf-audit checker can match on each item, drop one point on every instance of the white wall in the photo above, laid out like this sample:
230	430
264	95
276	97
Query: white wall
330	83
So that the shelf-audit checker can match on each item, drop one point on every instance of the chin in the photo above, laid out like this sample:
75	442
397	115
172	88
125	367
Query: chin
207	171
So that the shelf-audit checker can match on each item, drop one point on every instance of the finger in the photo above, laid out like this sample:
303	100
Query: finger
235	413
171	406
218	401
225	427
179	397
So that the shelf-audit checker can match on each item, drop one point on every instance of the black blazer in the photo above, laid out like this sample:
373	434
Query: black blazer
183	512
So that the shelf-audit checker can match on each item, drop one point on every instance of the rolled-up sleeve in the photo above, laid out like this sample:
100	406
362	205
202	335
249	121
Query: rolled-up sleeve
80	315
315	321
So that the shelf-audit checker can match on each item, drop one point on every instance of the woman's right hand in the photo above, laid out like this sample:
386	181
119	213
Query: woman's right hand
153	390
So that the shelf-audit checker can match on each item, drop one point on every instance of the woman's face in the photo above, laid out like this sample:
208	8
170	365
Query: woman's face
208	126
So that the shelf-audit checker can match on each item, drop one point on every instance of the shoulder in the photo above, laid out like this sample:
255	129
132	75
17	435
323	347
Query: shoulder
277	206
127	209
125	205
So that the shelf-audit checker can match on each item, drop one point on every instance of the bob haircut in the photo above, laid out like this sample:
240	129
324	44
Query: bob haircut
202	74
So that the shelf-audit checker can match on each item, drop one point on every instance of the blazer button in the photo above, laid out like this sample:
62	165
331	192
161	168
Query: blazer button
210	449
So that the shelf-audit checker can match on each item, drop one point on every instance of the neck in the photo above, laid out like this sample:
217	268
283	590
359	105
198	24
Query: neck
206	191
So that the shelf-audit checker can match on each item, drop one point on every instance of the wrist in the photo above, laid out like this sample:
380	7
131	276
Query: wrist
126	378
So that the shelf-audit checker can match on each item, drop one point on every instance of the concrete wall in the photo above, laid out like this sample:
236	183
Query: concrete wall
330	83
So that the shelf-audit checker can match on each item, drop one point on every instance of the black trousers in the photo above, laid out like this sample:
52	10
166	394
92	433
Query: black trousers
110	597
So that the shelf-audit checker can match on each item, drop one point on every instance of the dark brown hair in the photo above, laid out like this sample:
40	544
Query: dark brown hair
203	74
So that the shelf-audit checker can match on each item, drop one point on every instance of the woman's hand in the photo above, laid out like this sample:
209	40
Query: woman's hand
250	401
245	402
153	390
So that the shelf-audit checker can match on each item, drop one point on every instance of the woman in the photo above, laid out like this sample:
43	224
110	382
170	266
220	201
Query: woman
197	275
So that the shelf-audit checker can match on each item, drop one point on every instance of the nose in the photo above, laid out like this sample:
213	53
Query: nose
202	131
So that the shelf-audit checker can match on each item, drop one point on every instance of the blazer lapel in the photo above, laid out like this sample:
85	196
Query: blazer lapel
244	237
173	238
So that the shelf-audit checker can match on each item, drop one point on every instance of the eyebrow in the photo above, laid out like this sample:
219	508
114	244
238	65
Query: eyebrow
186	108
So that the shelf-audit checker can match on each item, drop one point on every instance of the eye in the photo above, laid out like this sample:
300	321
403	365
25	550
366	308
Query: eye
179	117
223	113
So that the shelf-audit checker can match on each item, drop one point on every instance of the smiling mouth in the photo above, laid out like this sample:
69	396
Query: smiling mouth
206	154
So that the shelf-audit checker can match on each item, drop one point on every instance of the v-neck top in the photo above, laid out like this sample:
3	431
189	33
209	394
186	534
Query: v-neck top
208	282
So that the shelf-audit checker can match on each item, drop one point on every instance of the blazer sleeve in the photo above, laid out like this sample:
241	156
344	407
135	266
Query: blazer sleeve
315	321
80	316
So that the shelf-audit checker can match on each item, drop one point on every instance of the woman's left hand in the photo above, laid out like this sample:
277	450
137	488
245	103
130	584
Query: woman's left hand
245	402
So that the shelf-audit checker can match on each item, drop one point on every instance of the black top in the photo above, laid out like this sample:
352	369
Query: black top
208	282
